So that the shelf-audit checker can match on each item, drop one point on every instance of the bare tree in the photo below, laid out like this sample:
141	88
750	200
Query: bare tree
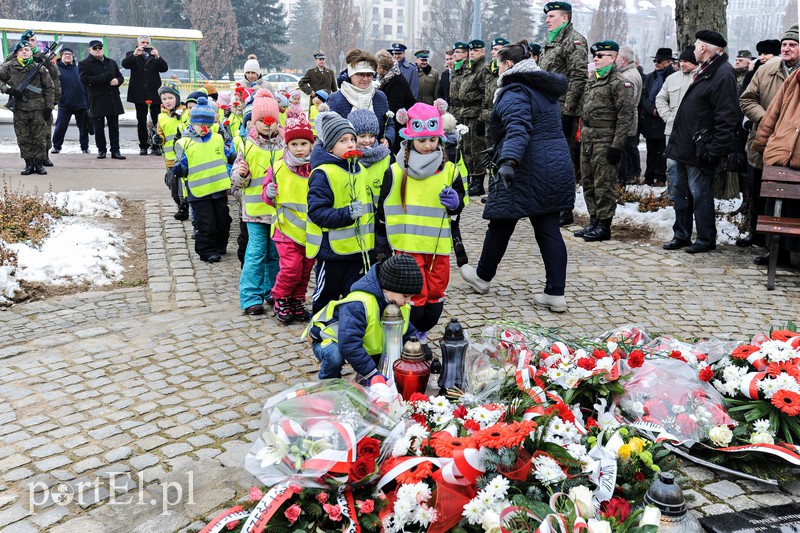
339	28
610	21
450	21
220	33
694	15
790	15
366	37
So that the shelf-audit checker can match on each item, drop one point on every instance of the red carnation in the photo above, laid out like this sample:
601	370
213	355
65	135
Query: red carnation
599	354
706	374
461	412
419	419
269	120
676	354
587	363
636	359
148	102
417	396
592	423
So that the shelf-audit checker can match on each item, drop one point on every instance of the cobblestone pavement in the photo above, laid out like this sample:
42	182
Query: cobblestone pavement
123	399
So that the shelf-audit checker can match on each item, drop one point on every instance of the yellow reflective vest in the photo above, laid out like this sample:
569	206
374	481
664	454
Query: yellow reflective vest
259	161
358	236
291	202
375	175
208	169
424	225
373	336
170	125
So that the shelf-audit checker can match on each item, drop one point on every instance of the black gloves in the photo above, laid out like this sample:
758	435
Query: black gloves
38	58
488	156
232	158
506	174
47	113
709	160
614	155
567	121
178	171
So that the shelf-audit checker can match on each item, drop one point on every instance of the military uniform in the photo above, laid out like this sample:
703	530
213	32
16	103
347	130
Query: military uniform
471	93
55	74
456	78
607	117
428	85
30	126
491	75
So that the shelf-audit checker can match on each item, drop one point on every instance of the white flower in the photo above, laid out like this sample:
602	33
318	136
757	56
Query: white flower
497	487
417	431
473	512
462	129
598	526
403	510
401	447
611	345
761	438
606	363
786	382
761	426
547	470
650	517
274	449
777	351
424	515
677	409
440	404
442	419
389	114
769	387
389	523
490	522
582	496
720	435
578	452
733	373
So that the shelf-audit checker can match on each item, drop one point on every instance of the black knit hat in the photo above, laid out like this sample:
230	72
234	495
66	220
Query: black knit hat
400	273
688	55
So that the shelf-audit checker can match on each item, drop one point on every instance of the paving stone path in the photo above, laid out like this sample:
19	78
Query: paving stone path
131	410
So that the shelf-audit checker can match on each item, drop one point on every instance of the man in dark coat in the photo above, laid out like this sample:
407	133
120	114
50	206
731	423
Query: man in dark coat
319	78
102	79
73	102
407	69
145	65
702	134
651	126
444	81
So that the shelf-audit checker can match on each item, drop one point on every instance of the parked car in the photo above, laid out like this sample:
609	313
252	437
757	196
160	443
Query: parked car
181	75
282	81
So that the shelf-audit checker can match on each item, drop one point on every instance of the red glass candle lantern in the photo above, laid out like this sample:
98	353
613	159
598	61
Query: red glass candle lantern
411	371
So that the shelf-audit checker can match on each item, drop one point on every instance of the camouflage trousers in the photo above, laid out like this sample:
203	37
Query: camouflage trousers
31	132
49	126
474	144
599	179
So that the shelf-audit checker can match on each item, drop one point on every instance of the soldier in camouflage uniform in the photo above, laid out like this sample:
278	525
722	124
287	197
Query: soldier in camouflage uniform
460	68
52	69
607	117
32	104
491	86
471	92
566	53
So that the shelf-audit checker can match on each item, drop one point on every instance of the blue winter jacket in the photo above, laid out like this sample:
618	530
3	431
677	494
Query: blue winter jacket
411	74
526	126
73	91
352	320
380	106
320	204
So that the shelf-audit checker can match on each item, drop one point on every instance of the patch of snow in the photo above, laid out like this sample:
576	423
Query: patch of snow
8	283
91	203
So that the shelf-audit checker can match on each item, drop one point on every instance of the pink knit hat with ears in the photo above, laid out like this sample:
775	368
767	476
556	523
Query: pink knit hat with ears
422	120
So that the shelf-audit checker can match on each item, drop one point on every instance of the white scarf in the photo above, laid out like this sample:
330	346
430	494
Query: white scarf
358	98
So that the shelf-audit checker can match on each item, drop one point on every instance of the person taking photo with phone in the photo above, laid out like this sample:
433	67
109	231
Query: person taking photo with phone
146	66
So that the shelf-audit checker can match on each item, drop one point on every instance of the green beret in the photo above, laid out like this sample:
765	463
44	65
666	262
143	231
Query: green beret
422	54
557	6
27	35
461	45
500	41
609	46
21	44
476	44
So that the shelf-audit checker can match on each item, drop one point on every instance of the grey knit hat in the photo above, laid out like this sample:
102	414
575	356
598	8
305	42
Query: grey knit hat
364	121
791	34
400	273
330	128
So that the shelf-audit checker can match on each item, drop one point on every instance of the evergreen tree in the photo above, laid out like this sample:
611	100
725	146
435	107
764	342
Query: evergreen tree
304	24
512	19
610	21
262	29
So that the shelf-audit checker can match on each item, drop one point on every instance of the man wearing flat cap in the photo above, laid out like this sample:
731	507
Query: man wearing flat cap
754	101
652	126
318	78
491	76
606	120
566	53
409	70
702	134
460	69
428	78
471	94
741	65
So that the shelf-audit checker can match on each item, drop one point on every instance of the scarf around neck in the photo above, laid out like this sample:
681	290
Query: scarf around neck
420	166
603	72
553	34
301	167
373	154
358	98
394	71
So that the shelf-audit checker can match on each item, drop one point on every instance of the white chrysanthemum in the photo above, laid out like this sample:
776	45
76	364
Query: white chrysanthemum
547	470
578	451
442	419
425	515
473	511
417	431
555	374
401	447
556	427
404	510
768	387
571	432
777	351
389	524
762	426
497	487
606	363
440	404
786	382
485	499
733	373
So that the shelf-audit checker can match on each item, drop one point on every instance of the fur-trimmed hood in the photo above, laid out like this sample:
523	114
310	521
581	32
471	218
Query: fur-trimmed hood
527	72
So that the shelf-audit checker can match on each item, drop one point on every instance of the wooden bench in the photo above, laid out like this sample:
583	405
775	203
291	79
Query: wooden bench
778	184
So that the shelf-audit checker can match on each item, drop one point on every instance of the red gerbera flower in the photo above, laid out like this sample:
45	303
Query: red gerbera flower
444	444
774	369
787	401
783	334
743	352
415	474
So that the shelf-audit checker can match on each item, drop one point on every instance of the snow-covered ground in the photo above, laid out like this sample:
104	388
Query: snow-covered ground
79	249
660	222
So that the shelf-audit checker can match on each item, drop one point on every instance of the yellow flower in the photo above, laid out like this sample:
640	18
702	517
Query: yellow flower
637	445
624	452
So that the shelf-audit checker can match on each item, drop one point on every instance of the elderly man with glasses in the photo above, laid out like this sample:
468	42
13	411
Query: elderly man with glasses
102	78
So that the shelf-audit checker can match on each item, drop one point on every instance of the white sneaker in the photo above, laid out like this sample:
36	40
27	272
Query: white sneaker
556	304
472	279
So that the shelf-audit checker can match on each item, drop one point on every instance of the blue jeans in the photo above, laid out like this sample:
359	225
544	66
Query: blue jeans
331	360
692	196
260	266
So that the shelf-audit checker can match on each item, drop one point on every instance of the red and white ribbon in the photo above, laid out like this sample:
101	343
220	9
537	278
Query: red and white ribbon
234	514
749	385
268	506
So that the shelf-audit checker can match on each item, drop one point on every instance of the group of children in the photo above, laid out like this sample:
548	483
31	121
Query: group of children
328	197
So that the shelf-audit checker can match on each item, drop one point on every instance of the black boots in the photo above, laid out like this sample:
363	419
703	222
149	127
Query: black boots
28	167
38	167
476	186
601	232
565	218
588	228
47	163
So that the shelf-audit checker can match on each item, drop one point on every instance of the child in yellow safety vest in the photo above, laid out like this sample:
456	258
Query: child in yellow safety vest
201	158
316	107
168	130
286	188
340	231
258	152
418	195
350	329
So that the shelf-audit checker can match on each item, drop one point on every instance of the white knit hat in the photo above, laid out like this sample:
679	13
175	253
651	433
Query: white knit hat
251	65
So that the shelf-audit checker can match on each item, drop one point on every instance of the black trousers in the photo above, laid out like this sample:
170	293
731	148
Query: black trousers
758	206
62	122
213	224
656	162
100	132
631	163
141	122
241	241
548	238
334	279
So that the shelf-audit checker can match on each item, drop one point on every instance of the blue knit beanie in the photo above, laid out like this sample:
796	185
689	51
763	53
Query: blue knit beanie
202	114
193	96
364	121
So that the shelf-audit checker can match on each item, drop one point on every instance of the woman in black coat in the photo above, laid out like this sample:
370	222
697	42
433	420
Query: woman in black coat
394	85
102	79
533	176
